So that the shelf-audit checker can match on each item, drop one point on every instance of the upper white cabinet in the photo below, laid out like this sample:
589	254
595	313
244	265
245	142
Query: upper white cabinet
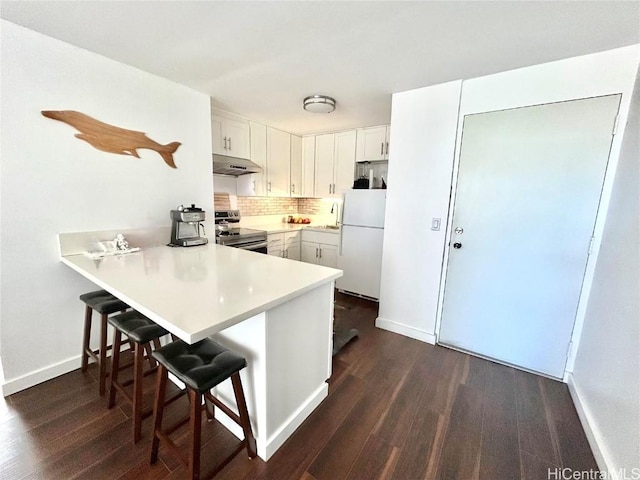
278	162
335	163
372	144
296	166
255	184
344	165
324	157
230	136
308	165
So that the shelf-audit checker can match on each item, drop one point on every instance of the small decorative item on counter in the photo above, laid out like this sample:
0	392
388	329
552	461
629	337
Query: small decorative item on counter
107	248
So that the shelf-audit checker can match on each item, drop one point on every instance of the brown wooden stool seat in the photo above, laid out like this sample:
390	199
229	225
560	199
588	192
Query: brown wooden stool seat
201	367
105	304
141	331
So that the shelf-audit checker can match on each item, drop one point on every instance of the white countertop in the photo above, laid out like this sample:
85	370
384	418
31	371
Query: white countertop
198	291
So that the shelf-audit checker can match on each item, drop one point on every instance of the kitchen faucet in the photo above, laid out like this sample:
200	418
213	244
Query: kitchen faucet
336	208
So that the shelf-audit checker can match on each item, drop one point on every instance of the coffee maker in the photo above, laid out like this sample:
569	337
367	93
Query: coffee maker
185	226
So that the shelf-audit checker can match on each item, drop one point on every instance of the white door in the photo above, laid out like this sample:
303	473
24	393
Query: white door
309	252
328	255
528	190
296	166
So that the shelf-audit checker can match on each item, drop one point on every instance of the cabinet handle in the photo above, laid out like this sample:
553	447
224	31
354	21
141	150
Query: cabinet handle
329	188
316	252
320	252
382	148
334	188
293	188
225	143
229	143
268	186
387	148
282	254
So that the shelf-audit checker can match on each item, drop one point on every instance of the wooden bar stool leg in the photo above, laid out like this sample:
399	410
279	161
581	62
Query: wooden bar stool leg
88	311
137	391
115	366
244	414
148	350
158	411
103	354
195	424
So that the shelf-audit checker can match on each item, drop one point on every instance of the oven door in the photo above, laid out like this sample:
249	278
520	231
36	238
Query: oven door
259	247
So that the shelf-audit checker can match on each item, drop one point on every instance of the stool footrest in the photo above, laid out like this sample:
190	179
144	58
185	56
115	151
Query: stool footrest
230	413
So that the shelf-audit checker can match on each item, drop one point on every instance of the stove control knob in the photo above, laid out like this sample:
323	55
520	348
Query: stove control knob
457	245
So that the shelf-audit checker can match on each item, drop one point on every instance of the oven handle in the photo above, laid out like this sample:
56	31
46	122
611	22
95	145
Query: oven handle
253	246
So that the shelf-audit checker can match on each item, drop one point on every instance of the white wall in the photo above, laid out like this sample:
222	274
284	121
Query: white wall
606	376
53	182
423	136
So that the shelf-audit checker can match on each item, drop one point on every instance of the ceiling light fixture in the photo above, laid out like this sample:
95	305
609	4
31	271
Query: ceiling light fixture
319	104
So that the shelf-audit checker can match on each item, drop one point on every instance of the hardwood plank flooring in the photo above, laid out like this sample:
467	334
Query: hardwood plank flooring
397	409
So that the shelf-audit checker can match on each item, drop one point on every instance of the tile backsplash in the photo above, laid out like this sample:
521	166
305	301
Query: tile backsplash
250	206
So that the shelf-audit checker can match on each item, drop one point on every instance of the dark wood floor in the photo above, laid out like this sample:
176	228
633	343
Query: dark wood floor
397	409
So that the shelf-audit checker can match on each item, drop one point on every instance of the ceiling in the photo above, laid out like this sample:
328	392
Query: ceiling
260	59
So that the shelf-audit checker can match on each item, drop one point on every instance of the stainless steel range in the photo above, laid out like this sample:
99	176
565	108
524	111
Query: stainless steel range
244	238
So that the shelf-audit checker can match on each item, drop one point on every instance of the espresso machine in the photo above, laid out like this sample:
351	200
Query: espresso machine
185	226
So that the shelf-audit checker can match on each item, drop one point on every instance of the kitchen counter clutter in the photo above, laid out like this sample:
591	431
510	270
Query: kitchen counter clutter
276	313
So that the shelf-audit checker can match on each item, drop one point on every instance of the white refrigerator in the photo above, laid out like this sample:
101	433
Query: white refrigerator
360	249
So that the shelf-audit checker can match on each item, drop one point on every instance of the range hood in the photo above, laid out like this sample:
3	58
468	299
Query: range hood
232	166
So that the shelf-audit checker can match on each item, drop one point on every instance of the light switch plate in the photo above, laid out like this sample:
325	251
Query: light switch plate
435	224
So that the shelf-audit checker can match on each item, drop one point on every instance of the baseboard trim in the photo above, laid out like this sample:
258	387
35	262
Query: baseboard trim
405	330
15	385
267	447
593	436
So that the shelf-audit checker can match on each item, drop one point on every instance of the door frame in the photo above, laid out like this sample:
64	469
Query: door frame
482	98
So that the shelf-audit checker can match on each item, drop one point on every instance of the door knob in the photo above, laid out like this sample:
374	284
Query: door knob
457	245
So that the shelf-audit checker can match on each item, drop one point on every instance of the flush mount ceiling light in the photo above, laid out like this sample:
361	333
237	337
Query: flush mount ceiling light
319	104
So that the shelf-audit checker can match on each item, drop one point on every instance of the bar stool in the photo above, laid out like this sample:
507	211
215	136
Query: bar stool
201	367
105	304
141	331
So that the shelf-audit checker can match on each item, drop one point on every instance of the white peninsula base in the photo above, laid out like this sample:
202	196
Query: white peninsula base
288	351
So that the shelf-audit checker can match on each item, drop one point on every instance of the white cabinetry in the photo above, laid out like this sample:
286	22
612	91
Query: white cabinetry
296	166
334	162
278	162
320	248
308	165
230	136
372	144
284	244
255	184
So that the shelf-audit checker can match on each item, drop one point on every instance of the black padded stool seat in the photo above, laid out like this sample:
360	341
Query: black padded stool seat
137	327
141	331
200	366
105	304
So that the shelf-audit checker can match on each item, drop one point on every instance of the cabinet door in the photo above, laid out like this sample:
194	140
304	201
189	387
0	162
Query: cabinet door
308	165
309	252
371	143
293	251
386	146
324	165
345	161
278	162
238	143
217	136
328	256
296	166
255	184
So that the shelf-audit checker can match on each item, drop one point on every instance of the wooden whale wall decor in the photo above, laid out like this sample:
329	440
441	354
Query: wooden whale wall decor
112	139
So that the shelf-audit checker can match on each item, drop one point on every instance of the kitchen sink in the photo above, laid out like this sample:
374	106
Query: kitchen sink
326	227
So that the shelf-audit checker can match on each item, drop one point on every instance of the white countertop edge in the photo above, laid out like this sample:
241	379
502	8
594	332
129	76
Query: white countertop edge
193	338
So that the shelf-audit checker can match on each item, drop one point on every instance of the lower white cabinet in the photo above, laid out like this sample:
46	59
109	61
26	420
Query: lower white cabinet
320	248
284	244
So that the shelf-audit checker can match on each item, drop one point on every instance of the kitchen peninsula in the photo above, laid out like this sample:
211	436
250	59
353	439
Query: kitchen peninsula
276	312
